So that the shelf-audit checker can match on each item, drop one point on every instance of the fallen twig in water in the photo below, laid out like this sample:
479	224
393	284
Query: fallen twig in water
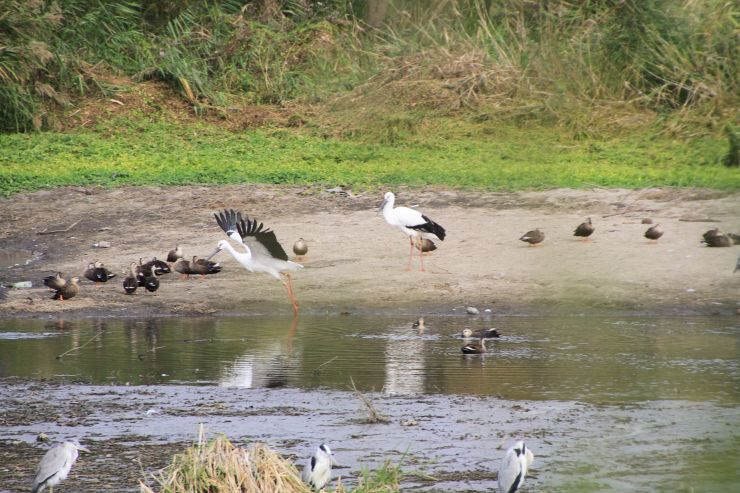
80	347
317	370
374	416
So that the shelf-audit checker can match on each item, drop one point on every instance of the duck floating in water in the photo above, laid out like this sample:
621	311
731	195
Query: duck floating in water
475	348
533	237
484	333
131	281
175	254
300	247
653	233
584	230
97	273
63	289
419	324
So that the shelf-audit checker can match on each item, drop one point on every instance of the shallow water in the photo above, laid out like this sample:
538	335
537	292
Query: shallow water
596	360
607	404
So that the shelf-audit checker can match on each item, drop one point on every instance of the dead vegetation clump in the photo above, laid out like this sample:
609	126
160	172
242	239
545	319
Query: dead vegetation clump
439	79
220	466
373	415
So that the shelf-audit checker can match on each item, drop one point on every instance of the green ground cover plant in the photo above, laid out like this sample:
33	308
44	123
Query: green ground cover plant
477	155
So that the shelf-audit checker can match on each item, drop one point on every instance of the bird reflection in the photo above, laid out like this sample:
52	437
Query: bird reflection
405	363
269	369
60	324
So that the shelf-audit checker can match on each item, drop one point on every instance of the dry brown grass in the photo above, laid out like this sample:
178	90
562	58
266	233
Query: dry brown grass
220	466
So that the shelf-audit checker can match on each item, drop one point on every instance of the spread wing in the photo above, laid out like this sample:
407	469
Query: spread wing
260	240
228	220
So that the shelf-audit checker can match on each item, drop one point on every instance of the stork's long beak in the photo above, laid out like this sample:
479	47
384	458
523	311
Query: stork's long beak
382	205
84	449
218	249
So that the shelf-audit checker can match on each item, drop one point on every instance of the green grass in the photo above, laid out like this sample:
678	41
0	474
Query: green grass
449	153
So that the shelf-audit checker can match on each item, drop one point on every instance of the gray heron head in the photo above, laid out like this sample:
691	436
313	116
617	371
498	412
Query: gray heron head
78	446
324	449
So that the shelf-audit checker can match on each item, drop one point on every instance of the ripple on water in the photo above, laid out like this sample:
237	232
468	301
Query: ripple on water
26	335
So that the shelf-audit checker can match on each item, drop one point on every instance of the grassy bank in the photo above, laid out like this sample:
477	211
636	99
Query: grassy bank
450	153
556	61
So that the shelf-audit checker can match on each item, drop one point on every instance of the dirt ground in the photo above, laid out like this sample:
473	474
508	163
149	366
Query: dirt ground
356	261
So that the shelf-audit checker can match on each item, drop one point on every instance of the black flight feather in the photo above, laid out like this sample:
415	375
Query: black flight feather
430	227
228	220
264	236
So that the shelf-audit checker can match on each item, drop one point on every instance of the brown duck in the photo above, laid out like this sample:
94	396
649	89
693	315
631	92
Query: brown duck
131	281
202	266
183	267
55	282
654	232
97	273
63	290
718	240
533	237
151	282
160	266
175	254
425	245
482	333
300	247
475	348
585	229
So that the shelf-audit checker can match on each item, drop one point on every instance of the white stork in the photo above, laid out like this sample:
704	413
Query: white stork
413	223
262	252
514	467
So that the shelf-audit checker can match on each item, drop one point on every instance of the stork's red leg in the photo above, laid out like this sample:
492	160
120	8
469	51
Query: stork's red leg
411	252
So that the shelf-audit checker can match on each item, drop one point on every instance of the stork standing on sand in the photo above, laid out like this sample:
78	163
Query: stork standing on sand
413	223
262	252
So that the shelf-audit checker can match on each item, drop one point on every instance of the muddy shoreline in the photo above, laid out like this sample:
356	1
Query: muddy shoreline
356	262
445	443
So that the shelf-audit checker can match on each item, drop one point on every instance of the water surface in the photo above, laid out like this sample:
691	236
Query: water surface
607	404
596	360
